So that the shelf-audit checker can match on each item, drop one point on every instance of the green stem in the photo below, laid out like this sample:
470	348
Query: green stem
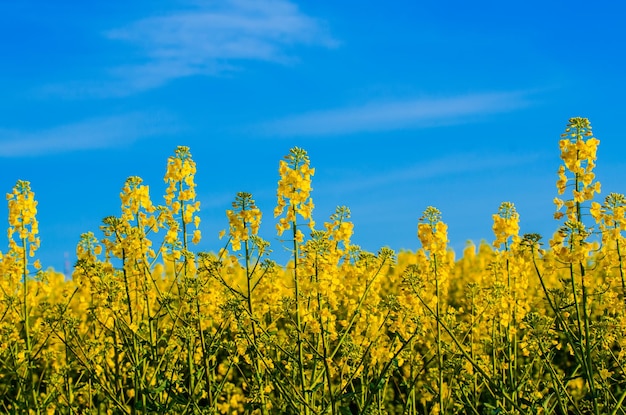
490	384
588	365
296	255
325	357
512	339
474	378
27	335
439	352
255	351
589	360
621	269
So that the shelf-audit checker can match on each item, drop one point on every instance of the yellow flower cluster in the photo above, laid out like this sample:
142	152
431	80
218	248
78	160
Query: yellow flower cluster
340	229
180	198
611	214
244	220
432	232
294	188
136	201
578	152
505	224
128	233
22	220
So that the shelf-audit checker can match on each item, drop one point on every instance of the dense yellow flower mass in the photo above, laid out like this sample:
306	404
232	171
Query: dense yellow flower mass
146	325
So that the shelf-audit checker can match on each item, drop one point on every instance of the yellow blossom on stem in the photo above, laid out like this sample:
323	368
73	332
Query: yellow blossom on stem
244	220
294	187
505	224
578	152
23	221
180	197
432	233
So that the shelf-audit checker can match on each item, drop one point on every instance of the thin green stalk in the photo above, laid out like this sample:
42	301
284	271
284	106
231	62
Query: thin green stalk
191	384
66	377
182	220
104	384
474	378
439	352
255	360
126	285
368	285
27	335
494	357
588	366
205	361
490	384
327	370
325	357
296	255
386	369
621	269
512	339
559	387
619	403
588	357
557	312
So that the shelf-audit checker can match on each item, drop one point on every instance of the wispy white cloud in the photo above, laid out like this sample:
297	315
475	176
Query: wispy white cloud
208	38
394	115
454	164
90	134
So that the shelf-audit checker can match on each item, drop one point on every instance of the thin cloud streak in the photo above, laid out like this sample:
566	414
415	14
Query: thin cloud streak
439	168
91	134
387	116
209	39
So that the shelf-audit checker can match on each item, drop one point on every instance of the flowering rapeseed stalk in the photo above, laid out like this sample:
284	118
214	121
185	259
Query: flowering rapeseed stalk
23	243
570	243
433	234
180	198
611	219
512	305
23	224
294	189
244	221
505	225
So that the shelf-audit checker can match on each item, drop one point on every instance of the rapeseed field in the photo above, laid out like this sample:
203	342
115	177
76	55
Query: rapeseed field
528	324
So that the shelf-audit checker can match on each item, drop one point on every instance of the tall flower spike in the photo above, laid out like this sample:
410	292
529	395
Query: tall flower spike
578	152
432	232
179	177
22	218
180	195
505	224
294	190
244	220
136	200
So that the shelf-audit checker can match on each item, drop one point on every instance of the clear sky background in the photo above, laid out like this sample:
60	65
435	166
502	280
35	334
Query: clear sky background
401	105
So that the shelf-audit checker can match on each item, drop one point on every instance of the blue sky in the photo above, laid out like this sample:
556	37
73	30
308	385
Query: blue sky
401	105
